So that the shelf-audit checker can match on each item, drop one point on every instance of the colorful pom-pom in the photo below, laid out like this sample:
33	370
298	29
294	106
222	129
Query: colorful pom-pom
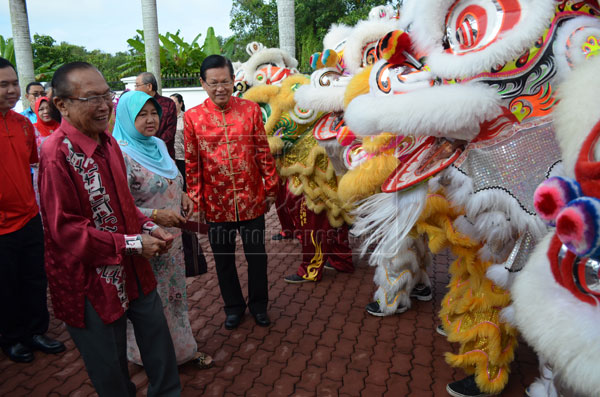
393	45
578	226
553	195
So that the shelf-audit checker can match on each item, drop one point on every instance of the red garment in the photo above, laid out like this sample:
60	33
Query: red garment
44	128
229	166
17	200
587	173
168	123
320	241
87	214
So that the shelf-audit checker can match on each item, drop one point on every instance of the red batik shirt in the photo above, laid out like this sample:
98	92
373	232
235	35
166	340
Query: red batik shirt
90	221
17	200
229	167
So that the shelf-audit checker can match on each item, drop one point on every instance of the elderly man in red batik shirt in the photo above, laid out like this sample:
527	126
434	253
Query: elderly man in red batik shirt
232	180
98	242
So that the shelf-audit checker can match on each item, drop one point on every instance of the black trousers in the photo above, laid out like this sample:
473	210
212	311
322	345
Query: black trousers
23	305
103	348
222	241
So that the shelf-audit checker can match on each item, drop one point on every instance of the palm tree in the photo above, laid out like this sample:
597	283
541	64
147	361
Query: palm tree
150	24
22	43
287	26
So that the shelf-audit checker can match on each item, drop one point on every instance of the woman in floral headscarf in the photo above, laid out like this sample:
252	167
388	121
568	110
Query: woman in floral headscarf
44	126
157	188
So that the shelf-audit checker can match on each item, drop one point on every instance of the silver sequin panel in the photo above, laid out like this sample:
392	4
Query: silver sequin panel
516	165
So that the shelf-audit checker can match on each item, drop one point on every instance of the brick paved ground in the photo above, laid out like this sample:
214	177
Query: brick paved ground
321	343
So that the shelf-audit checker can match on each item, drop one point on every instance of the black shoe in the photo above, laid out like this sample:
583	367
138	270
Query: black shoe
295	279
45	344
421	292
327	266
466	388
232	321
282	236
262	319
374	309
18	353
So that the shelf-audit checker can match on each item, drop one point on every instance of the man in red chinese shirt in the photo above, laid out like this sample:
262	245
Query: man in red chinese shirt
232	180
23	308
98	242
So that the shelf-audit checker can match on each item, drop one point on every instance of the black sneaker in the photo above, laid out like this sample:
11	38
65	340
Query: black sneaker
374	310
466	388
327	266
295	279
421	292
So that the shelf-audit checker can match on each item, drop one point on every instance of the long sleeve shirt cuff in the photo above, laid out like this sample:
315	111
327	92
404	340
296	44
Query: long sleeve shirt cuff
149	227
133	244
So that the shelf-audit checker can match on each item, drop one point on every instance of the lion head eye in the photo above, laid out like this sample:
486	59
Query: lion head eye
472	25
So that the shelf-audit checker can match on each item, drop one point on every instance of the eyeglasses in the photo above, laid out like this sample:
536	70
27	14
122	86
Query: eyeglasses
96	100
225	84
139	85
38	94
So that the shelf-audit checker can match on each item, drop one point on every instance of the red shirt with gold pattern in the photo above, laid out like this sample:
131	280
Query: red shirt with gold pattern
229	168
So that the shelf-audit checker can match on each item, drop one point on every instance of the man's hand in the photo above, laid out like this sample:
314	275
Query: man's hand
152	246
164	236
169	218
187	206
199	217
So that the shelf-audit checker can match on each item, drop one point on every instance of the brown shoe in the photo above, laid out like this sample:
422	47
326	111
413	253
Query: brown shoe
202	361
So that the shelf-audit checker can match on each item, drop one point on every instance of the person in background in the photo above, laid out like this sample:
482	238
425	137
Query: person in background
179	141
232	180
195	262
146	82
23	306
98	242
44	126
157	188
33	91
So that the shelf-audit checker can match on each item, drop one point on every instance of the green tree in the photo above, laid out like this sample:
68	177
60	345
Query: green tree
256	20
177	56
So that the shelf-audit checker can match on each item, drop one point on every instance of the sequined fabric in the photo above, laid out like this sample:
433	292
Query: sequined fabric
516	165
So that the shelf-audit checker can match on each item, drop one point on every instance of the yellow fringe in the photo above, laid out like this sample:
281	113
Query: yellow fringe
471	308
358	85
372	144
275	145
366	180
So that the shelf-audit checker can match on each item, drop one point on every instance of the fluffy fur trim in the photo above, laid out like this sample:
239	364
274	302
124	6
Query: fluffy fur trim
452	111
499	275
275	144
499	201
267	56
373	144
577	112
364	33
386	219
322	99
286	97
569	40
557	325
359	85
336	37
429	29
367	179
